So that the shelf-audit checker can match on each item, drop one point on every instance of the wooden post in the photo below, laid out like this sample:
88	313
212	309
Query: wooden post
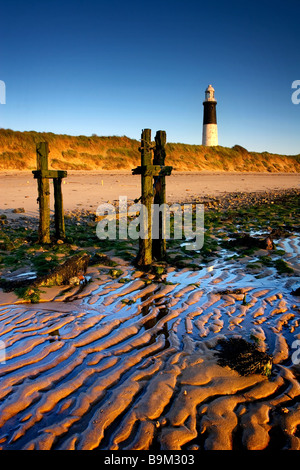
159	245
145	245
58	209
43	193
42	174
148	170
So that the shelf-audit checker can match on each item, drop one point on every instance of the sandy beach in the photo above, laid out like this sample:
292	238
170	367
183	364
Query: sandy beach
87	190
129	360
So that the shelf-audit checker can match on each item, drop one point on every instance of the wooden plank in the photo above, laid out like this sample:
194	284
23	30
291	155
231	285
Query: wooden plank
137	171
50	174
58	209
153	170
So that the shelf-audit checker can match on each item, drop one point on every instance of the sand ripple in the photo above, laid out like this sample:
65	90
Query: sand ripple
134	366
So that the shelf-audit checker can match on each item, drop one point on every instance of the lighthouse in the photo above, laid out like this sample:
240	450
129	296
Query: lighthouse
210	129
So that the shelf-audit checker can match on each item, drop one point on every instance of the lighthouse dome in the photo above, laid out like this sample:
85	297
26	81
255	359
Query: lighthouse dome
210	93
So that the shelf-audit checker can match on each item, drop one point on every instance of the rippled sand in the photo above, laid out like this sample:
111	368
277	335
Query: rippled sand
134	365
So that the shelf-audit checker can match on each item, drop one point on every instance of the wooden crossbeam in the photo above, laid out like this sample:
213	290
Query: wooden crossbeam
152	170
50	174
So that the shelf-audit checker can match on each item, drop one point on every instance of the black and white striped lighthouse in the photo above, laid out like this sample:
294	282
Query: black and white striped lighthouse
210	129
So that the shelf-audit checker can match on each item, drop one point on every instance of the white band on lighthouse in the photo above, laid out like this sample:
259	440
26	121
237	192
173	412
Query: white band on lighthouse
210	134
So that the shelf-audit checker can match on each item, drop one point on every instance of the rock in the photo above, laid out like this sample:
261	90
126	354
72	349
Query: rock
101	258
115	273
245	240
280	233
296	292
72	267
74	281
269	243
20	210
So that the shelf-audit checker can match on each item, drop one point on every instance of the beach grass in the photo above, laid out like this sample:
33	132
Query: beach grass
18	151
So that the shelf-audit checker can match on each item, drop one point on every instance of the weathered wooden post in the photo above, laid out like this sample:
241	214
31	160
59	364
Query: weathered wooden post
58	209
159	245
148	170
42	174
145	243
43	191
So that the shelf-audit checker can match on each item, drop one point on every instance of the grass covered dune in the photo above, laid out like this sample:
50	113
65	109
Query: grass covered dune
17	152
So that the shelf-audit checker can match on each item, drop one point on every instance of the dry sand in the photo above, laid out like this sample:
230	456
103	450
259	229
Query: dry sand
86	190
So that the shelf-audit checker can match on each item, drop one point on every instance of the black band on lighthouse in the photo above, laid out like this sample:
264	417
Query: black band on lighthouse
210	114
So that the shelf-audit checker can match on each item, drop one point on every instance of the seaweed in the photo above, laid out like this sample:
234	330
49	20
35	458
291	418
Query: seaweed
244	357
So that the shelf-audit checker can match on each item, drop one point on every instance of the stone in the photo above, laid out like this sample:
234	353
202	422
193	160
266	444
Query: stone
20	210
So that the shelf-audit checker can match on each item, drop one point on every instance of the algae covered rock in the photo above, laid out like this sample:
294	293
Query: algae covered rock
74	266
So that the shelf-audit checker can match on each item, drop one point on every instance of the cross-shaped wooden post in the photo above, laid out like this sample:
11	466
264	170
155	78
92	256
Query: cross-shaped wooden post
148	170
42	174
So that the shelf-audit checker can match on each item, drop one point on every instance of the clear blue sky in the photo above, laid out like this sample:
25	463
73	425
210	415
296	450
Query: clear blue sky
115	67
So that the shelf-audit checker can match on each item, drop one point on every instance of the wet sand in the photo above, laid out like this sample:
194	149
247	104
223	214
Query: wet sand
132	363
89	189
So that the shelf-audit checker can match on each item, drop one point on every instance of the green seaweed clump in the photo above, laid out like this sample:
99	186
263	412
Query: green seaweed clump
29	294
244	357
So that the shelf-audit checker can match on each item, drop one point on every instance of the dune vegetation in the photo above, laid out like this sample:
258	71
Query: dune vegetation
17	152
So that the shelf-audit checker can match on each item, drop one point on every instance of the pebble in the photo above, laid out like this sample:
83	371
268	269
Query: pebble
221	202
239	199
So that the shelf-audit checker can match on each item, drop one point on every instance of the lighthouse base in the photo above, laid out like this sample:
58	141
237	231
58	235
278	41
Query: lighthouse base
210	134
